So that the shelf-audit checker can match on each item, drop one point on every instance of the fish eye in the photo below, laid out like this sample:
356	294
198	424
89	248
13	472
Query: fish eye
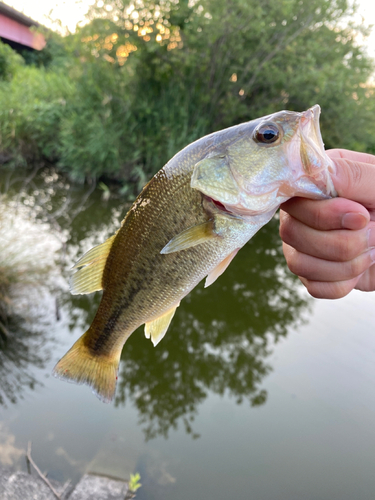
267	133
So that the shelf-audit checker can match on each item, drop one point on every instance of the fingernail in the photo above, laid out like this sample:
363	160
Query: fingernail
354	221
371	237
372	255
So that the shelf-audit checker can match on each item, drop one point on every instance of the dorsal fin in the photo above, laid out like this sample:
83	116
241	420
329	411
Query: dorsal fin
89	278
157	328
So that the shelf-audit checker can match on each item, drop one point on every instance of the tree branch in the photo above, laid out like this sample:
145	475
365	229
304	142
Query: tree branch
41	475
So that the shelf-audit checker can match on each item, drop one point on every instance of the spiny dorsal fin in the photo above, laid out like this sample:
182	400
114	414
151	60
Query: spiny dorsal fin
191	237
157	328
220	268
89	278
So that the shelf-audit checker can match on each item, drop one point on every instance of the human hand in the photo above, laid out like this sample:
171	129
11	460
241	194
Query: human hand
330	244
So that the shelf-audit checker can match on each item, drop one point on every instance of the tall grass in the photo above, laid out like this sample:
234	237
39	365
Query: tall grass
26	262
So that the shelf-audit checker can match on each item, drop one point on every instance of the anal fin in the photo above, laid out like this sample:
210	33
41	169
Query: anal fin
157	328
191	237
89	277
220	268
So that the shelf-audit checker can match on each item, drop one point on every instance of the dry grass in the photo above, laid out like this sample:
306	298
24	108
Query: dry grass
27	270
27	252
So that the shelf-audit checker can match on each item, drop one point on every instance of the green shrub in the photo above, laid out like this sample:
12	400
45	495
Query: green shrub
32	105
132	87
10	61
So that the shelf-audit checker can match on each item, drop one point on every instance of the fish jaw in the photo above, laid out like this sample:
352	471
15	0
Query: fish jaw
249	178
310	163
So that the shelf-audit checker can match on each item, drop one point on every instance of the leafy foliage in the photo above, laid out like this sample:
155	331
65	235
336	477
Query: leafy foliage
9	62
134	483
143	79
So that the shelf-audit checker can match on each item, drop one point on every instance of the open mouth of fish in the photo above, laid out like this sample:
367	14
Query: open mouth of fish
306	174
309	161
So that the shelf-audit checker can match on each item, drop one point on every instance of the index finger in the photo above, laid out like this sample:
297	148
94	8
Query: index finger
351	155
355	181
325	215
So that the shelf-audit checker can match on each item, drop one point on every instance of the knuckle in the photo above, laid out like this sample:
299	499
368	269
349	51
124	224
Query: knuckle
294	263
319	216
347	247
366	282
327	290
316	289
286	229
282	230
342	289
356	173
352	174
357	267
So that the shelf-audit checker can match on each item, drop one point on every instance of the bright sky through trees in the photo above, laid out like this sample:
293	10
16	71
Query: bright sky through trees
70	12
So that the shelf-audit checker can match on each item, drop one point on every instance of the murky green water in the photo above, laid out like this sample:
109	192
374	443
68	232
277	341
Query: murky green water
256	392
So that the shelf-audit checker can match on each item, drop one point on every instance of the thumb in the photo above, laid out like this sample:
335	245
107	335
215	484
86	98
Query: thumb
354	178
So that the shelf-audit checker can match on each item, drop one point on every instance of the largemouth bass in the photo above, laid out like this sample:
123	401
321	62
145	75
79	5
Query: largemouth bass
188	223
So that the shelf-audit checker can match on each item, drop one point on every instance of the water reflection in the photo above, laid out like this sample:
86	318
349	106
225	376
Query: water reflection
19	351
26	271
45	220
9	453
219	341
220	338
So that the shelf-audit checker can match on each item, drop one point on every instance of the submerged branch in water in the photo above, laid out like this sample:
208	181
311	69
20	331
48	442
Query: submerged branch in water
40	473
3	331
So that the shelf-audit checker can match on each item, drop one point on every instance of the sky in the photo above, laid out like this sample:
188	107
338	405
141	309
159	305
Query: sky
70	12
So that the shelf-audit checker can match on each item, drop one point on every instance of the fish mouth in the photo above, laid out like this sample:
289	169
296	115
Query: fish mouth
312	147
315	180
215	205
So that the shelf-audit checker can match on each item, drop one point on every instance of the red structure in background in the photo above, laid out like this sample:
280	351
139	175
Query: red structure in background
15	30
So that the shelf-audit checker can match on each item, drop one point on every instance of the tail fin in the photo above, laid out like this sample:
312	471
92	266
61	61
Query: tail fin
98	371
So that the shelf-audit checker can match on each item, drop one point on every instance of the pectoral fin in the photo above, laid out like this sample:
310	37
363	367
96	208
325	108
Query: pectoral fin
219	269
191	237
157	328
89	278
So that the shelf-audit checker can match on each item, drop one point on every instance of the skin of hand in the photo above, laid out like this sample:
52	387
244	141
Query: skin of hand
330	244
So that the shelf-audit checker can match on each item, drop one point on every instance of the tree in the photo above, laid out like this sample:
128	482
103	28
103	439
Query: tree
201	66
10	61
151	77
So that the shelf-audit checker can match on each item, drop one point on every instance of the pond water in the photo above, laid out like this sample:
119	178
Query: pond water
256	392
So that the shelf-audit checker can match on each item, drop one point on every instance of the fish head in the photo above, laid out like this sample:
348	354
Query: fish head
270	160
